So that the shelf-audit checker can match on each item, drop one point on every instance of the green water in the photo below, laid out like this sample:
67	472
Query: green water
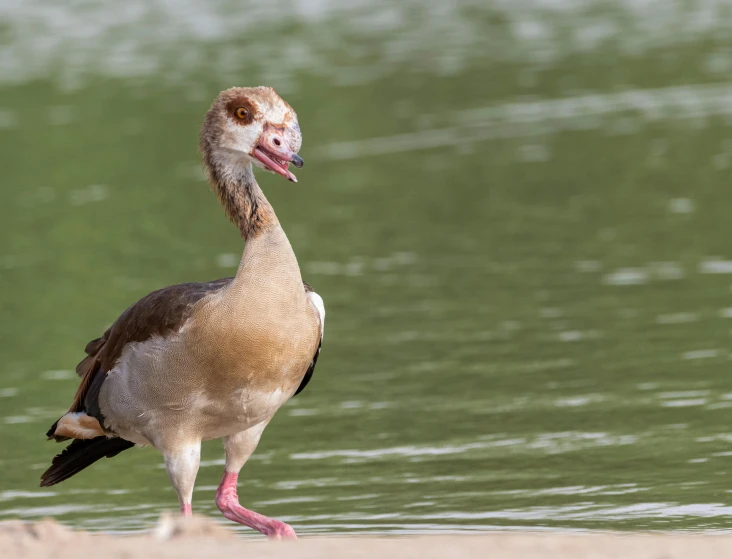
517	216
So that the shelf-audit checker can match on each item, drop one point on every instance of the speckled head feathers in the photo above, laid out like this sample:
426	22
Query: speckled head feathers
223	128
246	127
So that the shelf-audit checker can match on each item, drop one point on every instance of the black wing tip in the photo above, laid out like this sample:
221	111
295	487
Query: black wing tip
80	454
52	436
48	482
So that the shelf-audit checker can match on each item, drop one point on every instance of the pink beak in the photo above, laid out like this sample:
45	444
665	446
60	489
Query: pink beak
273	152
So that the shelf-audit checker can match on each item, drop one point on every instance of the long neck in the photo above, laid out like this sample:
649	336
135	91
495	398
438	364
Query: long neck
268	262
241	196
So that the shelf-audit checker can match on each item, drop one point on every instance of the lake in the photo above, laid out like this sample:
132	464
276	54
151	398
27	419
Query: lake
517	214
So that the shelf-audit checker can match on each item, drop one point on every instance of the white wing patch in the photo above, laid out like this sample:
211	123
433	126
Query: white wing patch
317	302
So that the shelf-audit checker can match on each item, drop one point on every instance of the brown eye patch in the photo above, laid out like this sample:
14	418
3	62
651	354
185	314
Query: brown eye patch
241	109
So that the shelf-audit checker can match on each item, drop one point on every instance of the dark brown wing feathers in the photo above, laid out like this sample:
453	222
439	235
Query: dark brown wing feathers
158	313
80	454
155	314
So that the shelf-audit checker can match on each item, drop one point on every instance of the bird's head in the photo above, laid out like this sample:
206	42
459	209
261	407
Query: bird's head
251	125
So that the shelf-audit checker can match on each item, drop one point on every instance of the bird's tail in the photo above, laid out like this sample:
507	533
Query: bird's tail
80	454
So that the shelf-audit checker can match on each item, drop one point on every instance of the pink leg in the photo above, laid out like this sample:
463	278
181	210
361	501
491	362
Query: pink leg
228	502
186	509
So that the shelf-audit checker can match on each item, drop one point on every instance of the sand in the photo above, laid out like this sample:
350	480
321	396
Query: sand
201	537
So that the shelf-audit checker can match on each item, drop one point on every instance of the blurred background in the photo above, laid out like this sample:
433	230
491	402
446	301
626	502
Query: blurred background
515	210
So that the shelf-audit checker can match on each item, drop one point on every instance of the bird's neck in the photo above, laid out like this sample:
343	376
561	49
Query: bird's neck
268	262
241	196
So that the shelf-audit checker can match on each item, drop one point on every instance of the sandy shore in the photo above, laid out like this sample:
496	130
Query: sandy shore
203	538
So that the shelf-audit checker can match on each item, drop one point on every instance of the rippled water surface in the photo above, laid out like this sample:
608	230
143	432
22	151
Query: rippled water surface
517	214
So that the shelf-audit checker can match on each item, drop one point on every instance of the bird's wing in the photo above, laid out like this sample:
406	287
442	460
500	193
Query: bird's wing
309	373
317	302
156	314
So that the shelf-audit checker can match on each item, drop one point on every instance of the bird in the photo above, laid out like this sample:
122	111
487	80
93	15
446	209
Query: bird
213	360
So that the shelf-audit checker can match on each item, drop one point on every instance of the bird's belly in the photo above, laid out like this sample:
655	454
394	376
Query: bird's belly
243	410
169	388
249	391
199	415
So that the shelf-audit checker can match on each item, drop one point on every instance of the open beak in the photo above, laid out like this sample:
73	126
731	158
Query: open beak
273	152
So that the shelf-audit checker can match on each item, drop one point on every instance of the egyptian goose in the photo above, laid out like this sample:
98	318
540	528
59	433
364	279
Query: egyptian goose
200	361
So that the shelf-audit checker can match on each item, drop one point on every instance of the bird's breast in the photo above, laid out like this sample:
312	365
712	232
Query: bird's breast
265	357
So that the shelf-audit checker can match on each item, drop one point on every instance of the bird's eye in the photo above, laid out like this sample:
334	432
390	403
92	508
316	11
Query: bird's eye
242	113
